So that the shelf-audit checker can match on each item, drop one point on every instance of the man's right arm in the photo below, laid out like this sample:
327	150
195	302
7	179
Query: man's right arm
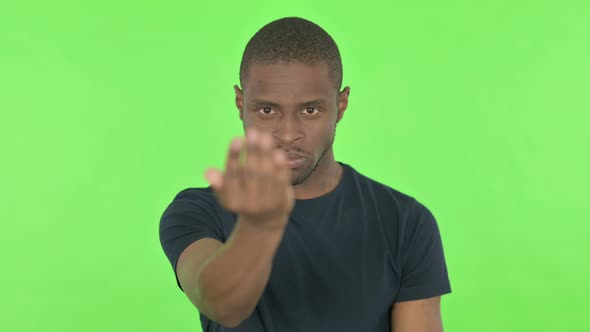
225	280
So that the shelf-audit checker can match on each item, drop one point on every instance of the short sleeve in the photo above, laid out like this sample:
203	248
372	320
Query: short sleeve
424	270
188	218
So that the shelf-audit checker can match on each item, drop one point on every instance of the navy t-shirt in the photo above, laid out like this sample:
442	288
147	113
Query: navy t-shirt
345	258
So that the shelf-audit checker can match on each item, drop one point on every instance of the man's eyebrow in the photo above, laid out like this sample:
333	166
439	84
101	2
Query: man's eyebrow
262	102
318	101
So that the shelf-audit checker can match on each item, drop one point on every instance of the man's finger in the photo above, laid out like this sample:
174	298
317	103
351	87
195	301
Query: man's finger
215	178
233	156
251	167
266	149
283	171
232	182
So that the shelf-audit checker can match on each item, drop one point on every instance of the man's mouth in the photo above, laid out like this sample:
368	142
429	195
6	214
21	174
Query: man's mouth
294	160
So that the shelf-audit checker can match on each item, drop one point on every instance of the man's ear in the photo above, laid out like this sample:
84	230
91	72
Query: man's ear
239	100
342	102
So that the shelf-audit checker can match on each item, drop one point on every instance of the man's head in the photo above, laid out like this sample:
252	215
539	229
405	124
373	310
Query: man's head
291	75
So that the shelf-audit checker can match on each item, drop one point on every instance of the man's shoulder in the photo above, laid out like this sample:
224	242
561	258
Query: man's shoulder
195	193
379	190
390	200
200	198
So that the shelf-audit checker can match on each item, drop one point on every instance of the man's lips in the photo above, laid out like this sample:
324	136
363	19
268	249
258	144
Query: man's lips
294	160
292	155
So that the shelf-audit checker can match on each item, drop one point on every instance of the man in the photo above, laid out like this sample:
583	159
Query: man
287	238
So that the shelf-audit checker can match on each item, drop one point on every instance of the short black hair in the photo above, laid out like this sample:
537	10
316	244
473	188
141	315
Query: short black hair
293	39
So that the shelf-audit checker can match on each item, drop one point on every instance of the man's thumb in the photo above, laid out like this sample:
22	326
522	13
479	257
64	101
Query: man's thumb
214	178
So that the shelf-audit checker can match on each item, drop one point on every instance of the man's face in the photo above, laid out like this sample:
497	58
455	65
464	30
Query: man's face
298	104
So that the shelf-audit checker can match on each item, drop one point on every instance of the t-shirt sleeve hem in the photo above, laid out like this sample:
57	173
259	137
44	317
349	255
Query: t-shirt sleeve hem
187	242
423	292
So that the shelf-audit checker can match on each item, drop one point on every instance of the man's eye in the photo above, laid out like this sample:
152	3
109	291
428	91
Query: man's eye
265	110
311	110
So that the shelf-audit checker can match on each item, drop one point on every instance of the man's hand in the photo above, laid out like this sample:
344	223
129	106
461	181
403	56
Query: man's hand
259	190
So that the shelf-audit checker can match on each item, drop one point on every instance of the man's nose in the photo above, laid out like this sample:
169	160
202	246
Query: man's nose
288	129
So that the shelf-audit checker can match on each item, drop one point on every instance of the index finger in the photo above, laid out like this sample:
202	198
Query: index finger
232	163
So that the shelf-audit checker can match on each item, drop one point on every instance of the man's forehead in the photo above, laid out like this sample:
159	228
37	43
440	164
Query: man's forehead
259	73
297	80
299	101
276	97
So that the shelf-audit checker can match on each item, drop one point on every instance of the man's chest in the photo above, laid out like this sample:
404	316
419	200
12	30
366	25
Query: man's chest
337	270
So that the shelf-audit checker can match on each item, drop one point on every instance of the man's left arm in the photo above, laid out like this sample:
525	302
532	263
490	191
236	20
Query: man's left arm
417	316
424	276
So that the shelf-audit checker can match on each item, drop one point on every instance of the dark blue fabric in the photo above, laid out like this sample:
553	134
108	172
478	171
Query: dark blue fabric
345	257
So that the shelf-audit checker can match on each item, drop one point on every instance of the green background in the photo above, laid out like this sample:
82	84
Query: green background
479	109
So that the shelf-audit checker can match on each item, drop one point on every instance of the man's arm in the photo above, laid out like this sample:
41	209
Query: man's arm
225	281
417	316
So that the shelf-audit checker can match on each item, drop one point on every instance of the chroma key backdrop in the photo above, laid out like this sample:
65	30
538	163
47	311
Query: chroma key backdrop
108	109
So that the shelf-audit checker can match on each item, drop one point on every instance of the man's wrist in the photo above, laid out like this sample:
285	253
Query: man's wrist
275	225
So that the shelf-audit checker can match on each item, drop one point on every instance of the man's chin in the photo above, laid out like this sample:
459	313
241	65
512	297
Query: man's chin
299	175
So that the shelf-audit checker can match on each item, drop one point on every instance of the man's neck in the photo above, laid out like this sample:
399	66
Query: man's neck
325	179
